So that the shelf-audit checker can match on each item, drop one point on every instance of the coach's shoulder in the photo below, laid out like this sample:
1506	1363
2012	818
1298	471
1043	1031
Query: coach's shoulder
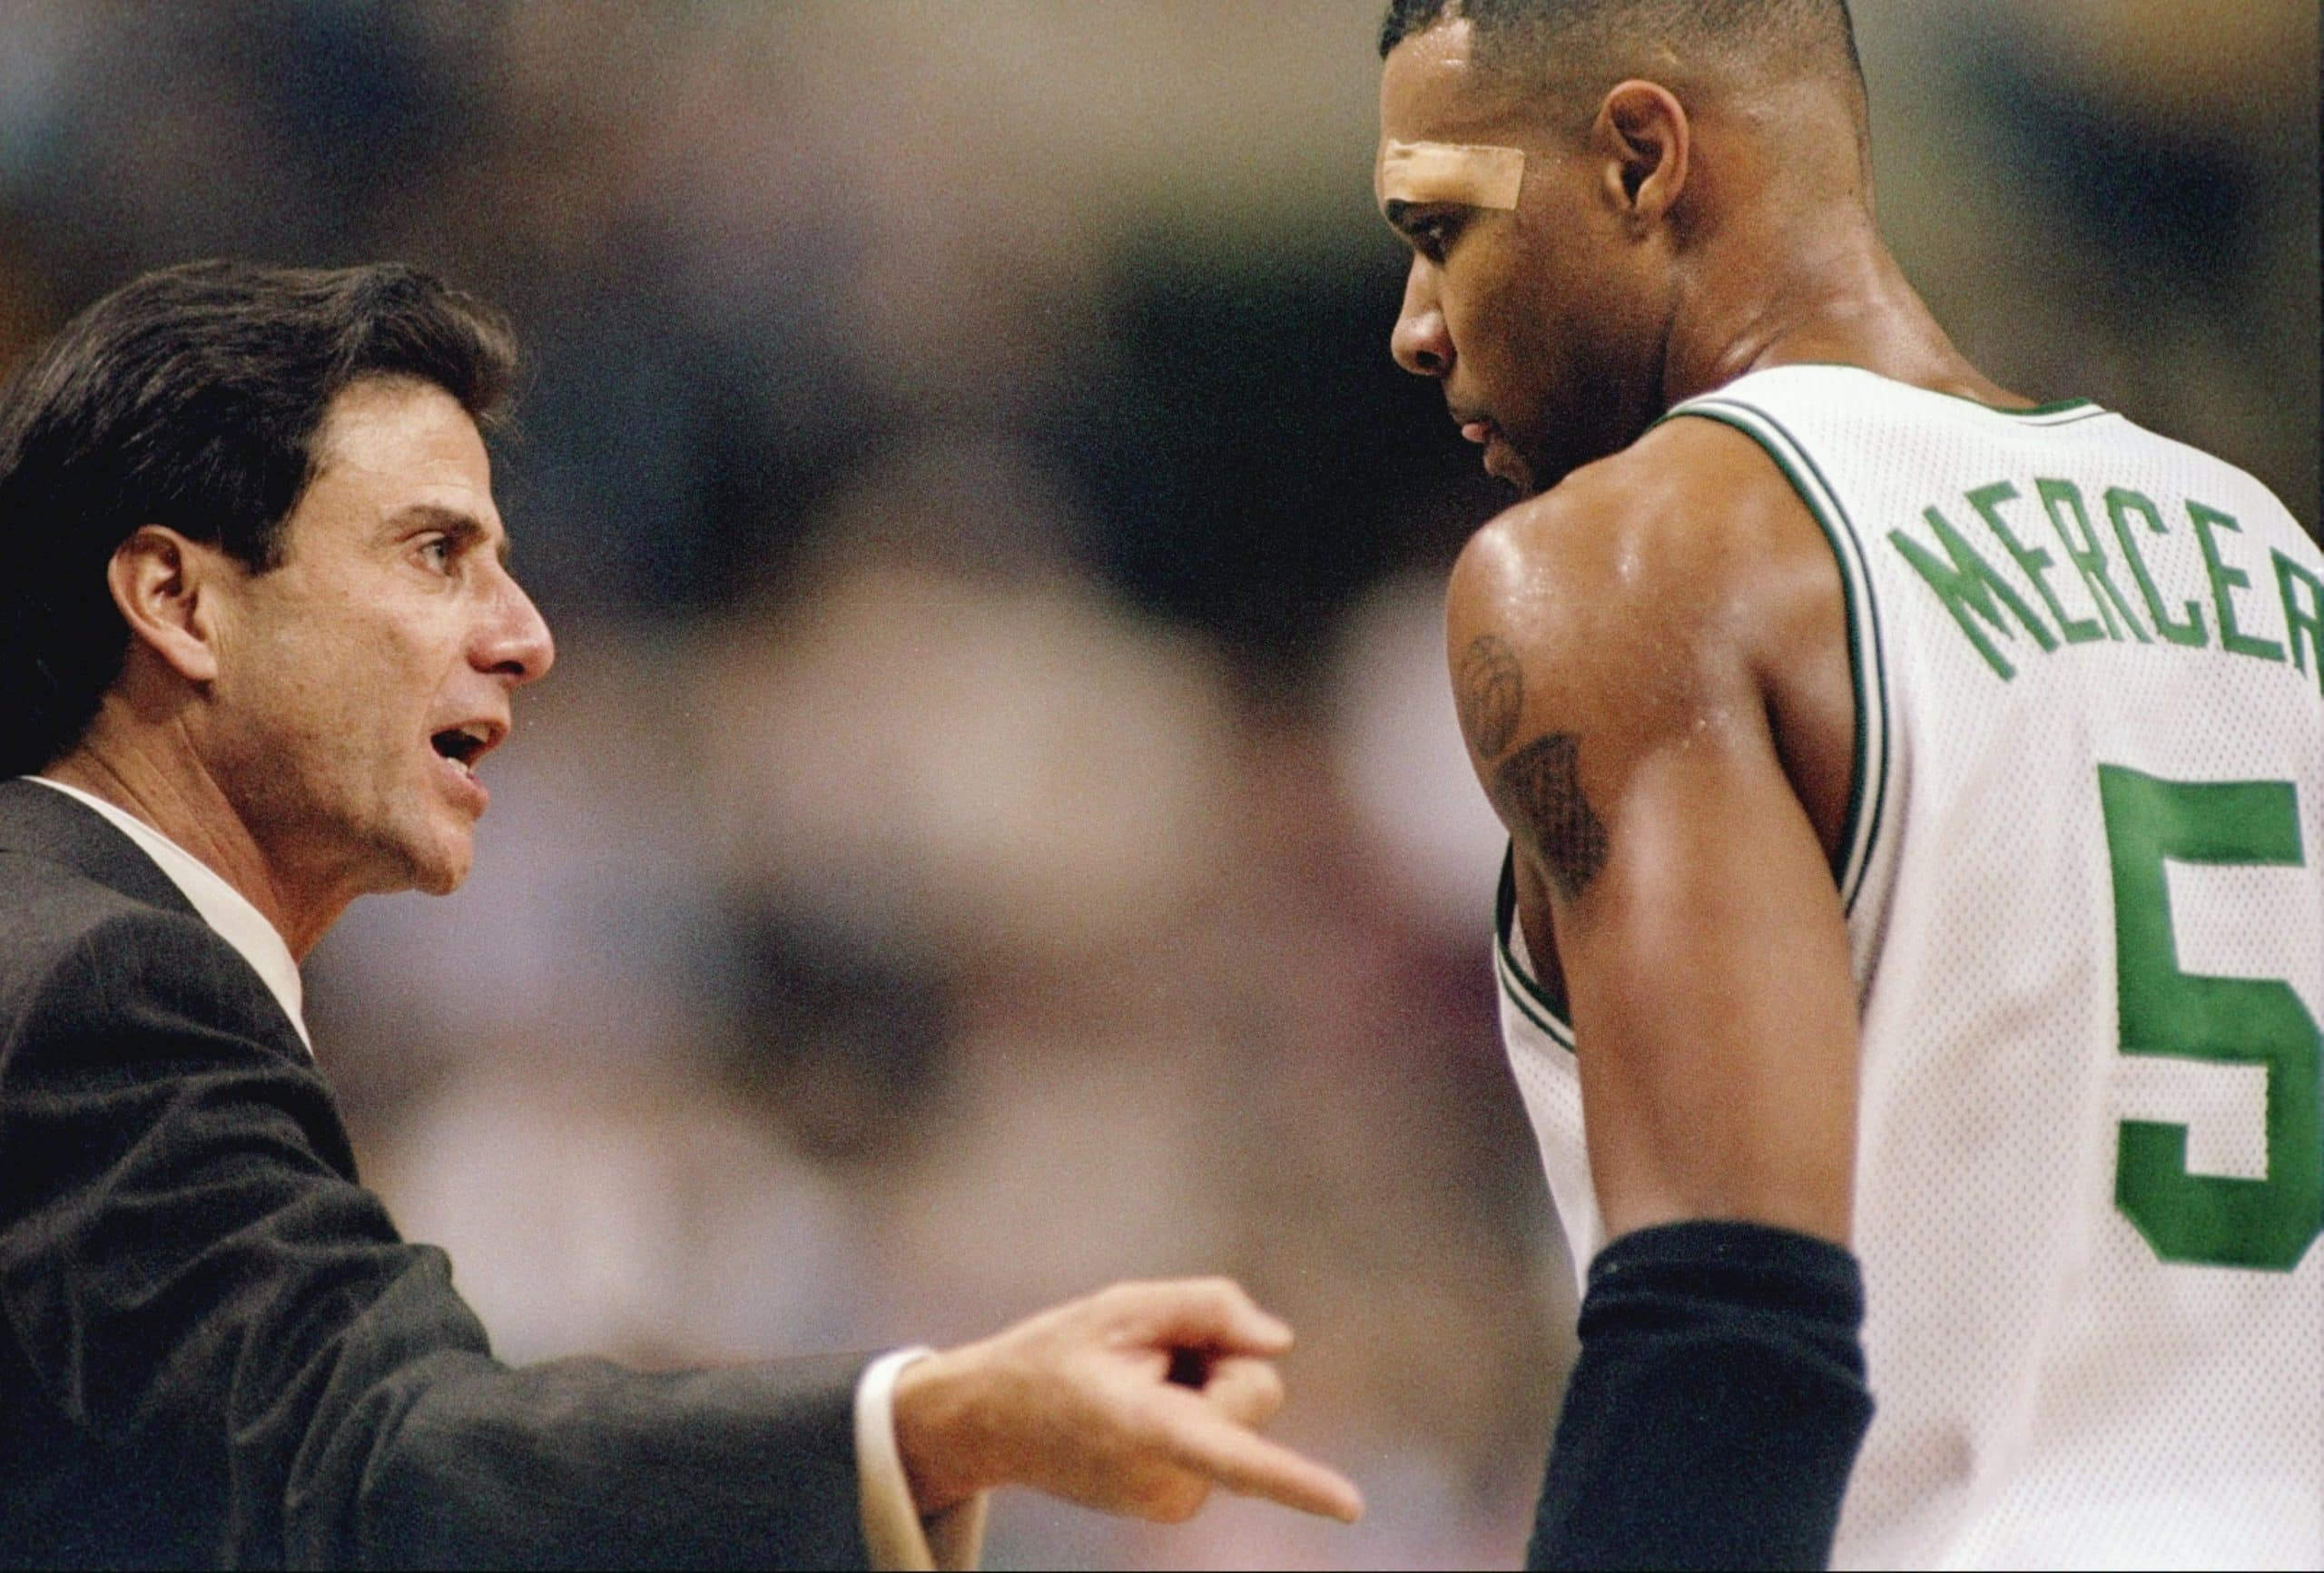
1639	578
92	978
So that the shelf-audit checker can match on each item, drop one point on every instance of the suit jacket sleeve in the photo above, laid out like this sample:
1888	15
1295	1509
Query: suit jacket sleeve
192	1272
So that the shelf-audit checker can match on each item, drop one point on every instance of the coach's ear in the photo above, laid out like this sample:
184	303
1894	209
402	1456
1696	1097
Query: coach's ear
1644	138
164	586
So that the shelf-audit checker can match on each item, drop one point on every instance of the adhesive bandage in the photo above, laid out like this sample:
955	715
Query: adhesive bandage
1444	172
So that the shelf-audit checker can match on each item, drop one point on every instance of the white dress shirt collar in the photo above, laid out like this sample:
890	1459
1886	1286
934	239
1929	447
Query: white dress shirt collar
223	908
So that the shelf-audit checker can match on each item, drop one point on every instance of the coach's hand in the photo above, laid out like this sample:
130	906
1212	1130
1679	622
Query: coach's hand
1137	1400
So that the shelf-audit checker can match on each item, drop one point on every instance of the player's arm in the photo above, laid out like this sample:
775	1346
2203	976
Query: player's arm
1613	642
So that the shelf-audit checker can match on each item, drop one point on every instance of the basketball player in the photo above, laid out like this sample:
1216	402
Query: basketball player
1914	919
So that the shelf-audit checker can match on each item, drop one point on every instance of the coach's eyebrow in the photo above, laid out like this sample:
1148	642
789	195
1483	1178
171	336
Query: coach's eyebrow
1415	173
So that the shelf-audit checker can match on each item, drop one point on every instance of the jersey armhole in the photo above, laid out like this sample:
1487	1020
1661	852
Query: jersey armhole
1868	657
1516	976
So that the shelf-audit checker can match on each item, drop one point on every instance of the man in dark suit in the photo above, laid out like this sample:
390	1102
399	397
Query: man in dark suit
257	631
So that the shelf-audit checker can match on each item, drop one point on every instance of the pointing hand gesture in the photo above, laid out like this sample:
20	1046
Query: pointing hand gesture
1137	1400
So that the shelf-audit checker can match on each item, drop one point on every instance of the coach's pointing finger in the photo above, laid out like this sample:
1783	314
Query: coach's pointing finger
1247	1464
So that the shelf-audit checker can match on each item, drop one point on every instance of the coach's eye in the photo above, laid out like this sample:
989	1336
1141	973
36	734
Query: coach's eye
436	552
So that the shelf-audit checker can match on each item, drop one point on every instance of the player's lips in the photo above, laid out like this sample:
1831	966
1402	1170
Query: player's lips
1476	428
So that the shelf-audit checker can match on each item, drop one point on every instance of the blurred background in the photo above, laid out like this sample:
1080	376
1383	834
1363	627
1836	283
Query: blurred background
997	825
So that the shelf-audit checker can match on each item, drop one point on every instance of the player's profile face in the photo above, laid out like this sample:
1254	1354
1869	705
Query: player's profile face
361	680
1518	305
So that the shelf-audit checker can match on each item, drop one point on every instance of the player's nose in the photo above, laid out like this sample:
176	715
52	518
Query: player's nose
1420	341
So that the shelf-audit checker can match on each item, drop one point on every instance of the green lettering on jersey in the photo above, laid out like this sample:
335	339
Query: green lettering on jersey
2224	580
2299	625
1970	584
2120	503
2060	498
1988	501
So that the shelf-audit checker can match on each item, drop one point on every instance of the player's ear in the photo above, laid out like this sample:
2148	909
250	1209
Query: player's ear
1643	137
165	588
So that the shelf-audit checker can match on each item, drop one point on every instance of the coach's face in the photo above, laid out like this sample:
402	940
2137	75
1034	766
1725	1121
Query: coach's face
360	681
1541	320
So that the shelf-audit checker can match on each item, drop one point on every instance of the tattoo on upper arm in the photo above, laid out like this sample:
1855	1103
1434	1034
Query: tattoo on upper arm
1539	790
1491	694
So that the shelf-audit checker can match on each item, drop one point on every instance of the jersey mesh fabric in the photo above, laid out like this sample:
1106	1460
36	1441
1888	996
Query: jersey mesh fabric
2052	1391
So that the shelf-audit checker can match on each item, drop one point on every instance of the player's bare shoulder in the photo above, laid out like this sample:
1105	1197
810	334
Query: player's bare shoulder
1677	587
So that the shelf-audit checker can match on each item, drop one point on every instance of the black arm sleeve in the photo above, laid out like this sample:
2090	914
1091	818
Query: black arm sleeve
1716	1406
216	1350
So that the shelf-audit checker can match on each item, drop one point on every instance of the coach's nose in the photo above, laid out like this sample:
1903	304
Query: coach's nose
514	639
1421	343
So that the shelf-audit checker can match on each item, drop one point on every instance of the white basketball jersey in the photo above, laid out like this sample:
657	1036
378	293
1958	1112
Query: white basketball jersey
2084	881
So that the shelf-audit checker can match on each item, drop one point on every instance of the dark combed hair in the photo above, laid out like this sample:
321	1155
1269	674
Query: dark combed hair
1800	28
191	397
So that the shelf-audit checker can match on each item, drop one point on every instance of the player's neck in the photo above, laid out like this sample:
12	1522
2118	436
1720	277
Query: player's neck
1832	294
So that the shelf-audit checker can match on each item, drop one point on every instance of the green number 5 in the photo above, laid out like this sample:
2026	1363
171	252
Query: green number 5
2212	1219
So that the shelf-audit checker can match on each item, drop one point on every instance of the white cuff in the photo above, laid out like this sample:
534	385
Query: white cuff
898	1539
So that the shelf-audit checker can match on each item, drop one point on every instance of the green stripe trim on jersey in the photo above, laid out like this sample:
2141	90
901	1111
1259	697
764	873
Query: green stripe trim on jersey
1867	655
1522	991
2041	414
2080	408
2056	406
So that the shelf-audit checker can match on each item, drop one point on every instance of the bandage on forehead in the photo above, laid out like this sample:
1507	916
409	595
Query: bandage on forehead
1445	171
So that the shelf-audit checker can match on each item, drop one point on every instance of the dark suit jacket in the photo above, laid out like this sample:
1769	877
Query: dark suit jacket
214	1349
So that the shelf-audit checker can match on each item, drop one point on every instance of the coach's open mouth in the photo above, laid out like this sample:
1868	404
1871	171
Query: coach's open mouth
468	743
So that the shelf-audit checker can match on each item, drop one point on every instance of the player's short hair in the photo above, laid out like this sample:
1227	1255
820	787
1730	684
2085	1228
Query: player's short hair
1789	34
191	397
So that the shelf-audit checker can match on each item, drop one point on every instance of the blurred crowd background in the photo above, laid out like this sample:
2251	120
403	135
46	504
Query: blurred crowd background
997	824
